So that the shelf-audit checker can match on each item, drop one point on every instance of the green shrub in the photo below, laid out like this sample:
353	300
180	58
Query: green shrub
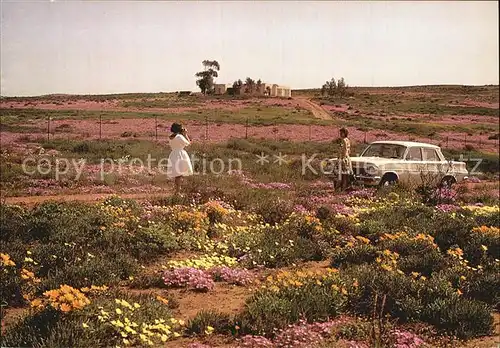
147	280
265	312
102	269
483	285
220	322
13	223
434	300
462	318
448	231
358	254
50	328
353	331
274	210
272	246
152	242
426	263
268	310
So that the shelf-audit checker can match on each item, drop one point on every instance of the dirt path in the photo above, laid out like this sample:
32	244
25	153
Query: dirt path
317	110
31	200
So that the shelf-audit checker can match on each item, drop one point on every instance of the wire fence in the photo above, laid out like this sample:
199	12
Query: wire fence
218	131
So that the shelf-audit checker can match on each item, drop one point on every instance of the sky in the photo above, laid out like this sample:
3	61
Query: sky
100	47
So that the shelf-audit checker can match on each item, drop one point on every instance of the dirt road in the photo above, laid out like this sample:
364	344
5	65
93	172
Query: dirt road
316	109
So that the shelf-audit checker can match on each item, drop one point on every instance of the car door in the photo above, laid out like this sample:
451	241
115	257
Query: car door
414	166
434	166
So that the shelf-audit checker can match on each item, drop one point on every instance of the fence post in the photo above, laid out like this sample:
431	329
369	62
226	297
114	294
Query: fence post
156	128
246	129
48	128
465	140
365	138
447	142
100	126
206	127
310	134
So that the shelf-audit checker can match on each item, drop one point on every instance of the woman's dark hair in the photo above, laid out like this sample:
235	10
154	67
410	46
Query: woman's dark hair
176	128
344	131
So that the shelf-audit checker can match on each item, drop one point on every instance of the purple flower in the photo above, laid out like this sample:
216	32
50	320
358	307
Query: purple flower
188	277
405	339
474	179
299	208
363	193
444	195
447	208
232	275
198	345
250	341
341	209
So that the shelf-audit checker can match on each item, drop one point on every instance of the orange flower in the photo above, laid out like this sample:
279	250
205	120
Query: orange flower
5	260
162	300
36	303
65	307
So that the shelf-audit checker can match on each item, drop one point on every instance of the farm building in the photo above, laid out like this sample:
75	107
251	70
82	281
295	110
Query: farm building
221	88
265	89
281	91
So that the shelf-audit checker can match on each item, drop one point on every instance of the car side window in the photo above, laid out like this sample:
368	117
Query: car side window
414	154
430	155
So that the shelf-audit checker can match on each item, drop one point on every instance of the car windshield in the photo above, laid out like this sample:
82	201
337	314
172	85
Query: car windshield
384	151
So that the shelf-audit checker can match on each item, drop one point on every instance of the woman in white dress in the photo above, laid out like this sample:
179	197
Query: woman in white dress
179	163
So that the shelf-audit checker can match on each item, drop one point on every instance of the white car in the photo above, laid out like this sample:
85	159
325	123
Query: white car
388	162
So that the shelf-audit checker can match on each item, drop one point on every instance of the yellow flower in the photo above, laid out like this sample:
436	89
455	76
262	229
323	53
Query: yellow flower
386	267
118	311
85	326
209	330
484	247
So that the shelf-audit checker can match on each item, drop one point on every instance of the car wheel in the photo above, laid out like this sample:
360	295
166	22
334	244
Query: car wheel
448	181
388	180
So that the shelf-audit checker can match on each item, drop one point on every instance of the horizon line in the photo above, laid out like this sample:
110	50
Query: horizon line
296	90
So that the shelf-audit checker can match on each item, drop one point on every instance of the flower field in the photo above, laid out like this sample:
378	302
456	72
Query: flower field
252	268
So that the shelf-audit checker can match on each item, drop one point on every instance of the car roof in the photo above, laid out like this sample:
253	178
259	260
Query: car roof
405	143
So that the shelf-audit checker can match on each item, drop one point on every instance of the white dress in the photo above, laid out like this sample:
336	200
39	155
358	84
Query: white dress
179	163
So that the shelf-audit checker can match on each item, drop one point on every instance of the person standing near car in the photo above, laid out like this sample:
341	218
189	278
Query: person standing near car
345	166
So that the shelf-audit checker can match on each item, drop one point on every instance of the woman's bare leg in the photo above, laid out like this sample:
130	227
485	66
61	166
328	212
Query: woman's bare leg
177	182
345	179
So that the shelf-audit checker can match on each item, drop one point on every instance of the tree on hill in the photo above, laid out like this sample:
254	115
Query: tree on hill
258	86
332	88
341	87
237	86
206	77
249	85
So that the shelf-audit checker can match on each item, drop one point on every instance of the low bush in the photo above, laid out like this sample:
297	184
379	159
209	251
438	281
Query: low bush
289	298
211	321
